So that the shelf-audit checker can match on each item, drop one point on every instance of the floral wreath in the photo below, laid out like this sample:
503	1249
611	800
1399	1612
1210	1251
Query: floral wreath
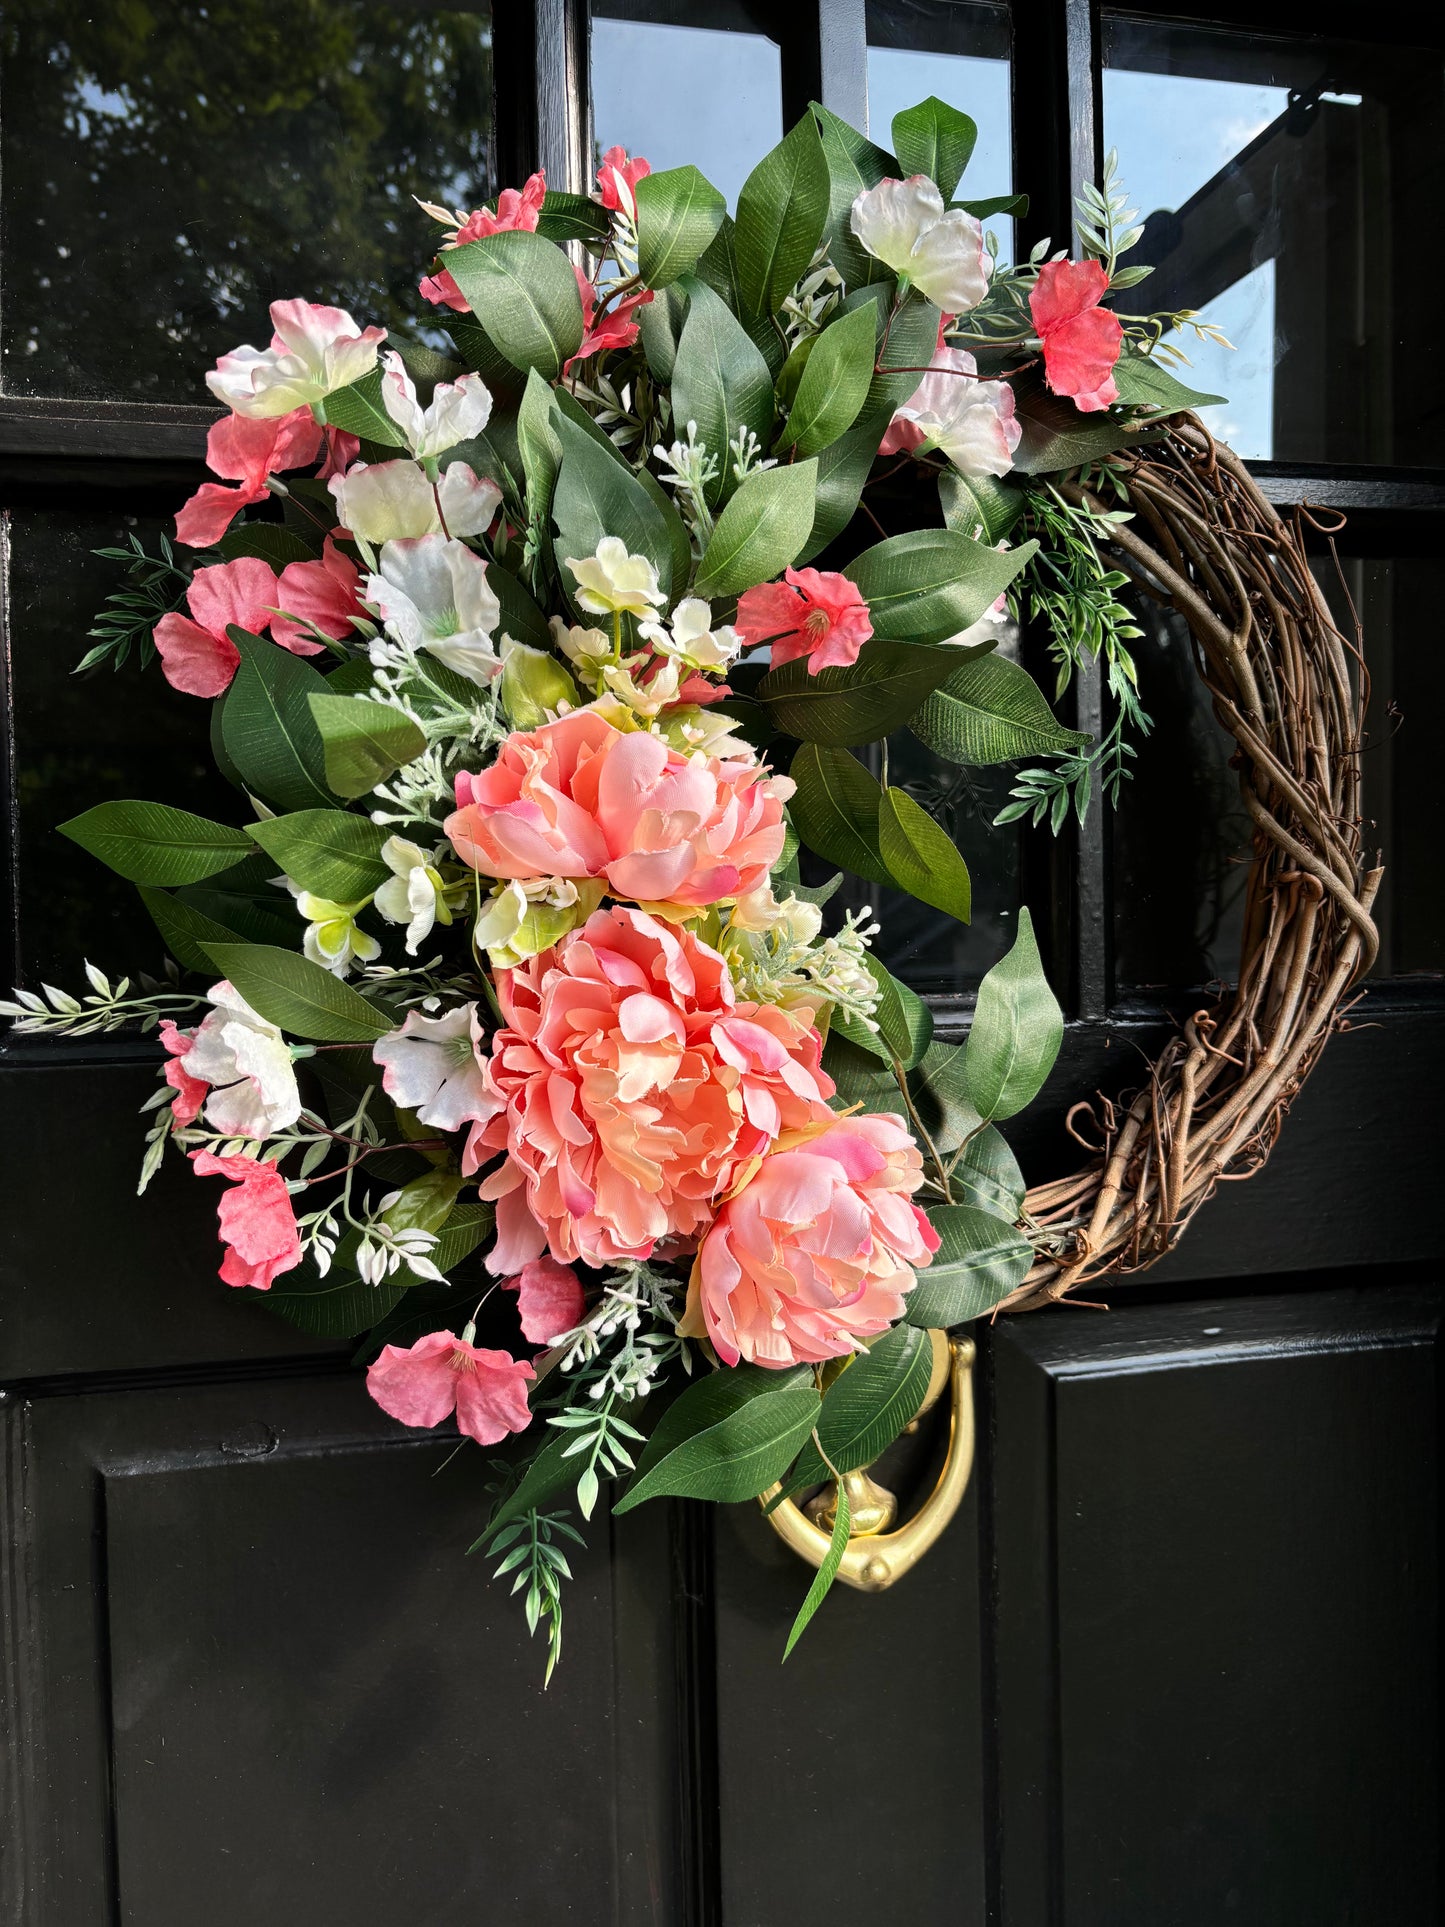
513	1010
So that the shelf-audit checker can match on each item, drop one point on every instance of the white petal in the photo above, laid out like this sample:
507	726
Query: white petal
889	218
949	263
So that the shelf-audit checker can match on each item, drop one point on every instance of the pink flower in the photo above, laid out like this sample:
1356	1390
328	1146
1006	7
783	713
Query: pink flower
973	422
421	1383
618	176
313	352
341	451
578	798
549	1299
190	1092
323	593
515	209
257	1223
1081	339
816	1250
196	653
244	451
812	613
616	329
628	1086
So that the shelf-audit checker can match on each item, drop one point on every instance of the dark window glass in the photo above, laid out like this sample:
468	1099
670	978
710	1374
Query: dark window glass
1289	188
169	170
679	82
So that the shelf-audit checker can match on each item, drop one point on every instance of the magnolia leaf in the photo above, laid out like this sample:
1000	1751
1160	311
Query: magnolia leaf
979	505
359	410
912	341
834	384
931	584
991	711
980	1259
332	853
905	1023
867	1406
842	470
920	857
782	209
596	496
1016	1032
363	742
854	163
862	1076
1142	381
1015	204
153	843
934	139
835	810
939	1089
185	930
678	213
524	294
760	531
267	728
988	1175
297	995
720	381
269	540
728	1437
827	1571
860	704
573	217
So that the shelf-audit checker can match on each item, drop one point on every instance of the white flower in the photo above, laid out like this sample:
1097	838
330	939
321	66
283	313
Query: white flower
390	501
588	648
973	422
613	582
643	699
432	593
693	639
313	351
413	893
796	922
247	1063
334	939
905	225
458	410
433	1066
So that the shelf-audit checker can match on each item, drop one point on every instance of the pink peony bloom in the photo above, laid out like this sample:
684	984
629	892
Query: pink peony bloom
323	593
812	613
420	1384
628	1086
816	1250
516	208
257	1223
1081	339
617	329
246	452
190	1092
313	352
196	653
549	1300
578	798
618	176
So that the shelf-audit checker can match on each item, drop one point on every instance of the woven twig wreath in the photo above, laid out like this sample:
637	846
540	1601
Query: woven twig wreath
1290	689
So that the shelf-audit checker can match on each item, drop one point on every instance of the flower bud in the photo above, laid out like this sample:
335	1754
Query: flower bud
534	685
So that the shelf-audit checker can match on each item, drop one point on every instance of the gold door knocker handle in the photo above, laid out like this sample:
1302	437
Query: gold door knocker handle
875	1557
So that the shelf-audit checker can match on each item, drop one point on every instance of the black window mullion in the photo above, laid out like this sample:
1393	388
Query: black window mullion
541	79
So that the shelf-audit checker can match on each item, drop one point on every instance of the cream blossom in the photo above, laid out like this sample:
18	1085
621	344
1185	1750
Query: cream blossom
973	422
588	648
905	225
313	352
247	1063
413	894
393	501
431	1066
457	411
691	637
432	593
521	919
613	582
334	939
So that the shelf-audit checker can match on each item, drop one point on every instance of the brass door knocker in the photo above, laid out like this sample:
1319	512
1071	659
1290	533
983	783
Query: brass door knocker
875	1557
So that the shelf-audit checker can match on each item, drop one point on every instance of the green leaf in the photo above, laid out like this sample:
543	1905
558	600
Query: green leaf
781	213
269	540
1016	205
573	217
720	381
835	810
727	1437
185	931
912	339
267	728
980	1259
363	742
988	1175
359	410
1016	1032
931	584
991	711
760	531
152	843
827	1571
337	1306
921	858
834	385
299	996
678	213
244	918
974	503
524	294
853	163
426	1202
939	1089
842	470
869	699
595	496
547	1473
1055	436
540	449
332	853
862	1076
661	323
521	617
867	1405
934	139
1144	382
905	1023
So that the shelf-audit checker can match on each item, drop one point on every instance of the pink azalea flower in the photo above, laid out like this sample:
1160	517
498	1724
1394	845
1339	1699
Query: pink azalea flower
628	1086
1081	340
516	208
258	1225
323	593
196	653
578	798
616	329
812	613
549	1300
244	451
618	176
190	1092
817	1250
421	1383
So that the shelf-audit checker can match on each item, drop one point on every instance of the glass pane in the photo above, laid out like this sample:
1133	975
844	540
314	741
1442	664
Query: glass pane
960	52
82	740
1287	186
1182	840
169	170
682	84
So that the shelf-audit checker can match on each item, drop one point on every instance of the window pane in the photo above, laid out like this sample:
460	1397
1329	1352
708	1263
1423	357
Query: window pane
1288	186
686	83
169	170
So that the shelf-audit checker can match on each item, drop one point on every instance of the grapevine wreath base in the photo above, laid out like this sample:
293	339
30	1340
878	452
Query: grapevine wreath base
1279	671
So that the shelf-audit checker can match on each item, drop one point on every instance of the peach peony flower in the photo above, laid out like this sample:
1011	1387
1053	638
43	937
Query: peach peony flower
628	1086
1081	340
816	1249
419	1384
258	1225
578	798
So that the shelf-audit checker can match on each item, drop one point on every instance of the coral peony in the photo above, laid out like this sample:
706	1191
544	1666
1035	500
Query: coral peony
812	613
1081	340
258	1226
578	798
419	1384
245	452
628	1085
816	1250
